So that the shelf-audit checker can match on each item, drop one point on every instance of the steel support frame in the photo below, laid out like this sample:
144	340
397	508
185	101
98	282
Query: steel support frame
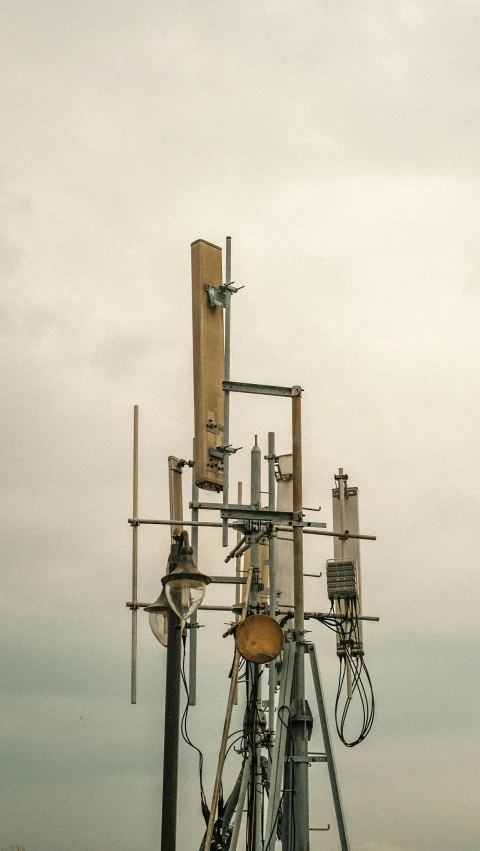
298	709
337	801
280	744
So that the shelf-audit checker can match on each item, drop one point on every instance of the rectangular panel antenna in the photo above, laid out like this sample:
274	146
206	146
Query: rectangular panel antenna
208	365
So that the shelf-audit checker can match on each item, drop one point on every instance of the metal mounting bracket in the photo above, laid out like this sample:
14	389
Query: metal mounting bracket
220	451
259	515
217	294
261	389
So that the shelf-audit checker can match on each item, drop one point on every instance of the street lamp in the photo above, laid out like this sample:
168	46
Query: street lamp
183	590
182	593
185	586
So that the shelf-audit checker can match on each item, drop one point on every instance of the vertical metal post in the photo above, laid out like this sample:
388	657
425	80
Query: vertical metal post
226	393
133	684
287	801
256	551
255	500
241	802
298	716
281	741
272	668
238	559
172	726
238	564
193	631
172	685
342	830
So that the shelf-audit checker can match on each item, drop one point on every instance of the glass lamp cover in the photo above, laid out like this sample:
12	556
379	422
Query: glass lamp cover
159	626
184	596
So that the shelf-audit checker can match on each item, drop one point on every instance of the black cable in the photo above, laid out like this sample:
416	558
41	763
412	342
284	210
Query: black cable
185	735
351	659
350	640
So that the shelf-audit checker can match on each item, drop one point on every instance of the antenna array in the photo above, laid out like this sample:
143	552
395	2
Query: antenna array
269	588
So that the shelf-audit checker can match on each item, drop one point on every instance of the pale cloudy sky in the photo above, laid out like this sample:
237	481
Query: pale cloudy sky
338	144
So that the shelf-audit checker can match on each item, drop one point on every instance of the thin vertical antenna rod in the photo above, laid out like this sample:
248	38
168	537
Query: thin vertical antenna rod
193	631
133	686
226	393
272	668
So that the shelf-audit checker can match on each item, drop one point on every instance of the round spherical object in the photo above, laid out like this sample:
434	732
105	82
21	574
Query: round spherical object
259	639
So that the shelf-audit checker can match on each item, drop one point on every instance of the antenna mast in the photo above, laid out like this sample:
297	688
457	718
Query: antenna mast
268	610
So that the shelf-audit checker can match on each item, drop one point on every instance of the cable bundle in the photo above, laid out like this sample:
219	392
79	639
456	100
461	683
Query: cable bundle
351	659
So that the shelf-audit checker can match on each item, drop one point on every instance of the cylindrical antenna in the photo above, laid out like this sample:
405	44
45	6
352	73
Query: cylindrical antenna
133	688
226	393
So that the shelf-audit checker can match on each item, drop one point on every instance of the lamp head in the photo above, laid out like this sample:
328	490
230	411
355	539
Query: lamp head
185	585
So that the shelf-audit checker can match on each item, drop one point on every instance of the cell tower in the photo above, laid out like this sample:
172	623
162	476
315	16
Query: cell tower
268	805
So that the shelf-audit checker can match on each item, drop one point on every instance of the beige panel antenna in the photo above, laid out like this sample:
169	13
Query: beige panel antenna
208	365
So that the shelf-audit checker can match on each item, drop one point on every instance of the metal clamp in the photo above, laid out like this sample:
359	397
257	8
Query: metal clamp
220	451
217	294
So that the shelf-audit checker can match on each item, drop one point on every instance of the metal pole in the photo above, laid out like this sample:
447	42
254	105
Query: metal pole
241	802
298	715
256	552
287	801
272	668
238	566
133	684
226	393
342	830
278	764
193	631
172	726
172	687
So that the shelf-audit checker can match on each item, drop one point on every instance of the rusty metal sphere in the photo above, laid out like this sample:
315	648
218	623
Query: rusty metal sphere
259	639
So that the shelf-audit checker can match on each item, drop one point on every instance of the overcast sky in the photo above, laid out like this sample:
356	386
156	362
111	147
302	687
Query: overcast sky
338	144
